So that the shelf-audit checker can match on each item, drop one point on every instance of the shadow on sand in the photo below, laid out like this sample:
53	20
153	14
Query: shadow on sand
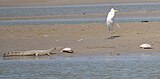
113	37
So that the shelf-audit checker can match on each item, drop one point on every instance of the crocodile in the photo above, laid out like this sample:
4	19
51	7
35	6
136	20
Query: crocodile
30	52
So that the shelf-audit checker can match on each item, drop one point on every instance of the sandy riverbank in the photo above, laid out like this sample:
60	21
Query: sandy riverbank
94	36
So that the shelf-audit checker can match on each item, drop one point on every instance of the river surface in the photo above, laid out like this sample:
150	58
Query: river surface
73	21
76	9
30	11
82	67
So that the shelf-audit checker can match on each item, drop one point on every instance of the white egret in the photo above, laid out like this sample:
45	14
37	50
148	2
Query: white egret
110	20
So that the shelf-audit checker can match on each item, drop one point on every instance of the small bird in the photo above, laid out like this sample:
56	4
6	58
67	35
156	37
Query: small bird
110	20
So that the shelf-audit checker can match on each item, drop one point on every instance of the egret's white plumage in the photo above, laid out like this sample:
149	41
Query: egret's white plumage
110	19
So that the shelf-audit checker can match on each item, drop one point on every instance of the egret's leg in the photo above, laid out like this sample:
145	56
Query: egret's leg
110	33
118	25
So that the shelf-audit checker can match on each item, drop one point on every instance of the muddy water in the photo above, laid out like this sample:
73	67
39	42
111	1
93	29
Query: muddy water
82	67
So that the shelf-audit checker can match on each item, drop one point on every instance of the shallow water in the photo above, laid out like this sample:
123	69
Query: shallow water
73	21
86	67
75	9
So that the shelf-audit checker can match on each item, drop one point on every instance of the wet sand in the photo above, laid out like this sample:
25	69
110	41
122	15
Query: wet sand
126	41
